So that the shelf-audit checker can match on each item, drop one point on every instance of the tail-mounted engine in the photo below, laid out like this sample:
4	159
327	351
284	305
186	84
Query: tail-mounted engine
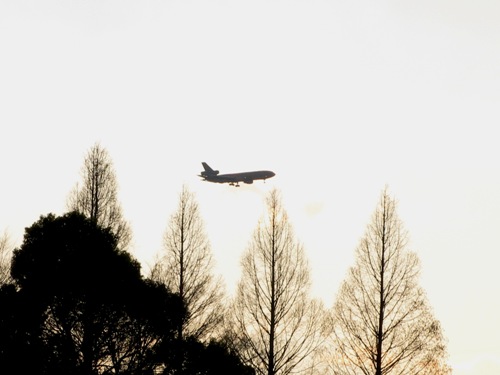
209	173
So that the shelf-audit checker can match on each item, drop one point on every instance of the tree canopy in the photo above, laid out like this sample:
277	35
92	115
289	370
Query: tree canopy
382	320
276	324
96	196
185	265
78	304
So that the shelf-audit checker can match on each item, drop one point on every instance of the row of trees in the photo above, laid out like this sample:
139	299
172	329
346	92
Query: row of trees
381	322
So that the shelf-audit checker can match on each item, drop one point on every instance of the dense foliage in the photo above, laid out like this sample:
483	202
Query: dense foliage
79	305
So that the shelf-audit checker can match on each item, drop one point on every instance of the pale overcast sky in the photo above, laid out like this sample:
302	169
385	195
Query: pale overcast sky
339	98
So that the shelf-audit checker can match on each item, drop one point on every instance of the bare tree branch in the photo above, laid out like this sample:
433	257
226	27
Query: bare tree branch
185	266
97	196
278	327
6	249
381	318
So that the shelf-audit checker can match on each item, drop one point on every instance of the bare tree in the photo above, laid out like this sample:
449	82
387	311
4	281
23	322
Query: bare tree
278	326
185	266
96	197
5	258
382	320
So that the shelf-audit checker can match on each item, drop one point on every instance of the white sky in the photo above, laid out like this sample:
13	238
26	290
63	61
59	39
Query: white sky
338	97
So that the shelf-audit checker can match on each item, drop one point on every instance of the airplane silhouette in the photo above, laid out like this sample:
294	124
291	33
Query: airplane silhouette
233	179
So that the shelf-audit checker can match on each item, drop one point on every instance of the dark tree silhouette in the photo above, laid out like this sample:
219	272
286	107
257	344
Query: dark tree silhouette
185	266
212	358
97	195
382	321
277	325
77	305
19	333
87	310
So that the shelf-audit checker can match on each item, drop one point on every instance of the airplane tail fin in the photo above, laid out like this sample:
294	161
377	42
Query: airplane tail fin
208	171
207	167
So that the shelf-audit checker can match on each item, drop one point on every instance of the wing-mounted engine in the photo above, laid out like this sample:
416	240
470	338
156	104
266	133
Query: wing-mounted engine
248	181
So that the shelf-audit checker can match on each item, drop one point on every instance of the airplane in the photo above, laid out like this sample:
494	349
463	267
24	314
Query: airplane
233	179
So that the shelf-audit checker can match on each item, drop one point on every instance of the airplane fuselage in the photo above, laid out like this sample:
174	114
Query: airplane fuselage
234	178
